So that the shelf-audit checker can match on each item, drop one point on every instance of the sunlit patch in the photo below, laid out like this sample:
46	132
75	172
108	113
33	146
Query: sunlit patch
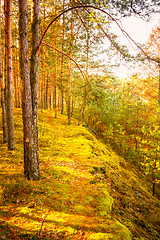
85	189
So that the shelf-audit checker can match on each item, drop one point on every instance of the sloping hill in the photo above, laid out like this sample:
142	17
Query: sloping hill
86	191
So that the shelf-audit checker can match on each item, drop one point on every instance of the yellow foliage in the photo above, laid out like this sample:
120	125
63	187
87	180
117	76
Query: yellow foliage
85	188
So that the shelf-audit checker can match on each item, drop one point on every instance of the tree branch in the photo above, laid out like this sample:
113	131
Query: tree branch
107	35
43	43
69	9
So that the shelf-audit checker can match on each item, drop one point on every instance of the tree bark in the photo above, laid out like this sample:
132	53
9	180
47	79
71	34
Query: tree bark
4	116
15	78
9	92
70	69
159	83
62	67
30	167
34	79
55	66
46	103
85	90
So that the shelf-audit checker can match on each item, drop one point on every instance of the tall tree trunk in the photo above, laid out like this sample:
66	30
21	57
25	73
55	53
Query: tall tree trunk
159	83
9	93
85	90
41	89
30	170
43	77
34	79
46	104
62	67
70	69
4	116
15	77
55	69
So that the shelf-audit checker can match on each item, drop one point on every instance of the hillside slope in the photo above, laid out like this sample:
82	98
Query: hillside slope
86	191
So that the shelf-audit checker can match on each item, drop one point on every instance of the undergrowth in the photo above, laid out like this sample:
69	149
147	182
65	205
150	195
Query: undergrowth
86	191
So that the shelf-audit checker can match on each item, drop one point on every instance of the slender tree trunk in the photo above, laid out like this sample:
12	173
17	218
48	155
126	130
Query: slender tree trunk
55	69
9	93
34	79
72	110
85	90
42	94
154	167
4	116
46	104
44	76
50	100
70	69
159	84
15	77
62	67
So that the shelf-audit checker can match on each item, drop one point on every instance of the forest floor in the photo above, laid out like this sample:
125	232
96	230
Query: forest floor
86	191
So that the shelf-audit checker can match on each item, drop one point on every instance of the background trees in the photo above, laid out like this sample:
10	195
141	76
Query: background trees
69	79
3	102
9	77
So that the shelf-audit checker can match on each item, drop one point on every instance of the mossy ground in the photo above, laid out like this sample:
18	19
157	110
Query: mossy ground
86	191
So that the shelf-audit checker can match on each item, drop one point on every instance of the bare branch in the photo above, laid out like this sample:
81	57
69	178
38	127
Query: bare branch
69	9
69	58
107	35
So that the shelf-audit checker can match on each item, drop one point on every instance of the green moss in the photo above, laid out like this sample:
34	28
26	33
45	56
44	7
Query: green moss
105	203
101	236
71	160
122	231
79	209
89	199
105	206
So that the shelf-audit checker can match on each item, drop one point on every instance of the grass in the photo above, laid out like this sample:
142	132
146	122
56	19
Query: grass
86	191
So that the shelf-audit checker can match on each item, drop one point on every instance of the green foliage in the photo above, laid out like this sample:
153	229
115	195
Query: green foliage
85	190
116	113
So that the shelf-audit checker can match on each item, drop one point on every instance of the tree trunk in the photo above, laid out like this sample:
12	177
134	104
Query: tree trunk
9	93
85	90
4	116
30	170
159	83
70	68
15	77
42	94
62	67
34	79
55	69
46	103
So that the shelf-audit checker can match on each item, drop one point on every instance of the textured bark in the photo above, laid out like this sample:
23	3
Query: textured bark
34	78
29	165
15	79
55	66
85	90
9	89
70	68
46	103
41	94
62	67
4	116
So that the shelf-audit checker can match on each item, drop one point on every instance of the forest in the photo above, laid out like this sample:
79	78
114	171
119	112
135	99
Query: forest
79	146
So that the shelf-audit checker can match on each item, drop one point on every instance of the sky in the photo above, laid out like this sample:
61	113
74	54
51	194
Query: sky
139	30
